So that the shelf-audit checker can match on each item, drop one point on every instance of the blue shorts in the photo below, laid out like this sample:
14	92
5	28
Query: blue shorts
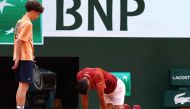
24	73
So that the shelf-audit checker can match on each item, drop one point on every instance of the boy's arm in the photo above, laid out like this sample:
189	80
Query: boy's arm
18	52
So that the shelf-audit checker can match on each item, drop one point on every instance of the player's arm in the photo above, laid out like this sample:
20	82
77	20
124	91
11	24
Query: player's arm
100	90
84	99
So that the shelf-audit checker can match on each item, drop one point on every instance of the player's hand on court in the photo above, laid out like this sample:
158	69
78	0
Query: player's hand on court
15	66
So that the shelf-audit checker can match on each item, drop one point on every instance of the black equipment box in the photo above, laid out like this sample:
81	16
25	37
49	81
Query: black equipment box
49	79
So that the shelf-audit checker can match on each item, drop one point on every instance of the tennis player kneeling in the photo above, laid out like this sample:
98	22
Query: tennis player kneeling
110	89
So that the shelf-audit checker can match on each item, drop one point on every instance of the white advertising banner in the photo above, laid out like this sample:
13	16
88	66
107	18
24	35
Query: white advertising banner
116	18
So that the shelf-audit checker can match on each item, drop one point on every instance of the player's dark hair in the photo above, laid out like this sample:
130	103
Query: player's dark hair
34	5
82	86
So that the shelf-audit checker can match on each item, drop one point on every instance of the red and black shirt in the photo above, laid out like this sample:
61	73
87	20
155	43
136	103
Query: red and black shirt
95	76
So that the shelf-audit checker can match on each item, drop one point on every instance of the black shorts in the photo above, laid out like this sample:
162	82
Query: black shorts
24	73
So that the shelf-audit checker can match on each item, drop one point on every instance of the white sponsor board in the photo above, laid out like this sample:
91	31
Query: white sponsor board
160	18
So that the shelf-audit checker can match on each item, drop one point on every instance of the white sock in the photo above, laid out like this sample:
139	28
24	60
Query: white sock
20	107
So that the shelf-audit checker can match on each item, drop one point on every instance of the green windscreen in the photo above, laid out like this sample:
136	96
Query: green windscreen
126	78
10	12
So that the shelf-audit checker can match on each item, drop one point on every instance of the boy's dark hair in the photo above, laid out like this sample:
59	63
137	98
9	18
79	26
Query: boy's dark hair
34	5
82	86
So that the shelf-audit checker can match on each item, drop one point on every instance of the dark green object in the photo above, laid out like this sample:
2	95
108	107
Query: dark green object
178	98
180	77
